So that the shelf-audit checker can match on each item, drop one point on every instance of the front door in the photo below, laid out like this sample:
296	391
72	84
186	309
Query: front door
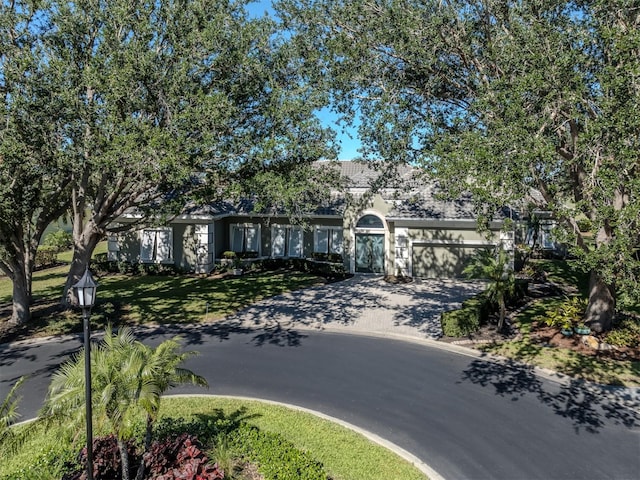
370	253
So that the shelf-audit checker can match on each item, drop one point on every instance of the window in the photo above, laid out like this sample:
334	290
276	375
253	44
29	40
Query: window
328	240
245	237
370	221
156	245
286	241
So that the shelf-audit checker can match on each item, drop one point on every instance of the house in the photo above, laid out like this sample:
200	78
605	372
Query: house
404	227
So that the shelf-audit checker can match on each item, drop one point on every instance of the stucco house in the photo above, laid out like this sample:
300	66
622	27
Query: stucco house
401	228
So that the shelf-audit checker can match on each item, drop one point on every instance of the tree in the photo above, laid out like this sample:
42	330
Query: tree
499	99
494	266
127	378
34	182
119	106
166	92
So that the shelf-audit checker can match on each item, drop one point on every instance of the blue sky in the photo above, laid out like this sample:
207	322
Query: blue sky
347	140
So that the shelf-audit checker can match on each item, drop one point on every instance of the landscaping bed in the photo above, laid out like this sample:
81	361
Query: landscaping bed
608	358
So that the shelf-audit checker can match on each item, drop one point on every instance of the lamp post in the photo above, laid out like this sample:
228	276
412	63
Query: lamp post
86	294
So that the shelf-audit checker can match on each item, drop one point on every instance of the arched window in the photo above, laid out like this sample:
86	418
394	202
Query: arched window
370	221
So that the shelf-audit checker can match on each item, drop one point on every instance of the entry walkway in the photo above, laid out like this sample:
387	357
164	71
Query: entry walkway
363	304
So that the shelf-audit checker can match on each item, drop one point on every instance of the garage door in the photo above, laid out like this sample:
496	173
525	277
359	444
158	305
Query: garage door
440	261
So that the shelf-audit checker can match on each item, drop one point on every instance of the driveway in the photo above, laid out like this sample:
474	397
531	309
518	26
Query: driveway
362	304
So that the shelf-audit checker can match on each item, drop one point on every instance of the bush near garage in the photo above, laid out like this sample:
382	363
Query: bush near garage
468	318
475	311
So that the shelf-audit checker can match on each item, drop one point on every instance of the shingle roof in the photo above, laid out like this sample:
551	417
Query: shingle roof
413	196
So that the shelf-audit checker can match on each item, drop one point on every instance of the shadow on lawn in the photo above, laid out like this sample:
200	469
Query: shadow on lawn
586	405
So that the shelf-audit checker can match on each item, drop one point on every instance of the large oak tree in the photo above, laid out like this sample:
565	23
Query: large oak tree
163	101
34	179
499	98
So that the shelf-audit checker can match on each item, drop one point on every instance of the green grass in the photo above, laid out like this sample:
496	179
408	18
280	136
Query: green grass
149	299
345	454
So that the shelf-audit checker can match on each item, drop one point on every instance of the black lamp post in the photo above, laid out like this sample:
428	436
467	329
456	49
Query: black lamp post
86	293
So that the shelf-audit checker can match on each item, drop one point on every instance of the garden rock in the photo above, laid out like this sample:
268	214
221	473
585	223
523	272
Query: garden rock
591	342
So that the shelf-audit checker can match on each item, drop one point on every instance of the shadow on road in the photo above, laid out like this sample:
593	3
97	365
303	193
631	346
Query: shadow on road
585	404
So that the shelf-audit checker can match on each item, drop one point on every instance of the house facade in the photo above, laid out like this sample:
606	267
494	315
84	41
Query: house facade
403	228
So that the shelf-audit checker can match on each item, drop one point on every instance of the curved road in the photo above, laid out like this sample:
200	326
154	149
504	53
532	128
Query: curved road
466	417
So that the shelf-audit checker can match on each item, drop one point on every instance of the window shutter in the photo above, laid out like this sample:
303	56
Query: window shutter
295	242
278	237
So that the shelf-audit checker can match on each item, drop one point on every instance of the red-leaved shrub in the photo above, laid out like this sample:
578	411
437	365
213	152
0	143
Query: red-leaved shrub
180	458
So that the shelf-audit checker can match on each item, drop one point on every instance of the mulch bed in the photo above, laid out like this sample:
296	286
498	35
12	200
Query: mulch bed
552	337
544	335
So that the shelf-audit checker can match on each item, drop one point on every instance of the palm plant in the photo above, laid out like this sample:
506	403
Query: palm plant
9	413
127	376
162	369
493	266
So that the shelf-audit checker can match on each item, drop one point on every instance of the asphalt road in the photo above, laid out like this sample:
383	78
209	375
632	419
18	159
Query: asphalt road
466	417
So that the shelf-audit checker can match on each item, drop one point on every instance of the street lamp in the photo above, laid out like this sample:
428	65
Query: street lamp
86	294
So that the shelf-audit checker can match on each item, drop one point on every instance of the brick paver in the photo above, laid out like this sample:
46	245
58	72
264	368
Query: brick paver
362	304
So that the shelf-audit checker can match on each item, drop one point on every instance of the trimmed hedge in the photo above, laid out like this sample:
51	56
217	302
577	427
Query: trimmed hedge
46	256
475	311
466	320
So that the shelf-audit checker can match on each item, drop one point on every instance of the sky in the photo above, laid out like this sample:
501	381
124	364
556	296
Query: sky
346	139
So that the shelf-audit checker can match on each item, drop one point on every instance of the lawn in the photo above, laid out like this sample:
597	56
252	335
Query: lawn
148	299
344	454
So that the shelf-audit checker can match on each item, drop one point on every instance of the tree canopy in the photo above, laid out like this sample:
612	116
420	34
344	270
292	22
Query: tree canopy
501	99
143	104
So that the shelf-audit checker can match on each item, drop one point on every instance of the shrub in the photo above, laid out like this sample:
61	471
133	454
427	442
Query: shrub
565	315
460	323
229	255
278	458
106	460
584	224
468	318
625	334
46	257
180	458
59	240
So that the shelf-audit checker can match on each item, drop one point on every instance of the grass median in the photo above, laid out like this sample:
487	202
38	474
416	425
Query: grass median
344	454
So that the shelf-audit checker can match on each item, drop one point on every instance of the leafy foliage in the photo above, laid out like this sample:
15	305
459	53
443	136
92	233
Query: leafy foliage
461	322
128	378
180	458
45	257
625	334
494	267
107	464
9	411
278	458
565	315
60	240
514	102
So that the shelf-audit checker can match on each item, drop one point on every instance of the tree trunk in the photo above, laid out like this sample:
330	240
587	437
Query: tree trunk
124	459
21	297
602	305
147	445
83	248
21	268
502	307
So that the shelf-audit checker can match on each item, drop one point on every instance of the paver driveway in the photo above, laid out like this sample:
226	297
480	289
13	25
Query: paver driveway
362	304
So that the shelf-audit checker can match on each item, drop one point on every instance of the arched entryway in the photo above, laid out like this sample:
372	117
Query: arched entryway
370	245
